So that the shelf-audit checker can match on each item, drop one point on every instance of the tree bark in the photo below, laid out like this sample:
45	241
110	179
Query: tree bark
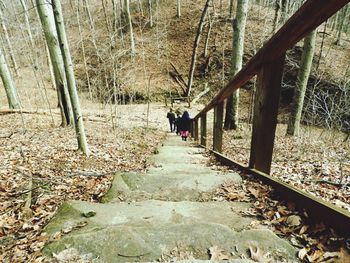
83	52
342	19
68	67
131	31
206	45
195	47
232	112
178	9
150	13
300	89
49	28
8	42
277	15
8	83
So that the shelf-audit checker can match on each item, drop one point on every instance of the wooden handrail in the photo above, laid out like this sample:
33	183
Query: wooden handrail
268	65
307	18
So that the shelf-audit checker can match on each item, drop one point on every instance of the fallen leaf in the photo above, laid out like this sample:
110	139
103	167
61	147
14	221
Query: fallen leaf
293	220
302	253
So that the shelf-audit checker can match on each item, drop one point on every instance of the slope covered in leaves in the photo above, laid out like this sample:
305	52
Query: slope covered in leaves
39	164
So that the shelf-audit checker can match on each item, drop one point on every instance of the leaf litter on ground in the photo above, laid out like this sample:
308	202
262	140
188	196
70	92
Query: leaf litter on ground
41	163
315	242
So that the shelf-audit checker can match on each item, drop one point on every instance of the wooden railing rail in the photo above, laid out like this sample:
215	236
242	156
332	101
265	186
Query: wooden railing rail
307	18
268	65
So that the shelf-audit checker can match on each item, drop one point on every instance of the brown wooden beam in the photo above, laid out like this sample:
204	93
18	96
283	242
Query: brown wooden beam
265	114
218	122
307	18
204	129
196	133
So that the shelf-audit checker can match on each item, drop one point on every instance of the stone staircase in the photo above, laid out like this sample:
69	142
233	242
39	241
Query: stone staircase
165	215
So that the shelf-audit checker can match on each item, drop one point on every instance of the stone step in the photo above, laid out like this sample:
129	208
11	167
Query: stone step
146	231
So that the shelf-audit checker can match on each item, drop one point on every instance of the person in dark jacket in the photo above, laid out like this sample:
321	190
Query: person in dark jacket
185	125
171	117
177	123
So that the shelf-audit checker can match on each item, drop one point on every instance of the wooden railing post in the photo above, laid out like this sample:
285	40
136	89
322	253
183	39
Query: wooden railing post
218	122
204	130
192	129
265	114
196	130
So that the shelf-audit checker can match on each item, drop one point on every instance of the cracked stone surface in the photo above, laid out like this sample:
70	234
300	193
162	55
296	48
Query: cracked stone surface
146	217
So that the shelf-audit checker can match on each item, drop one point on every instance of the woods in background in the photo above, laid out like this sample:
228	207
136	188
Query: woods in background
112	41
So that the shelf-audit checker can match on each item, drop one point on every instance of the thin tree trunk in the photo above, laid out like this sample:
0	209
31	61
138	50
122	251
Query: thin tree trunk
178	9
195	48
8	83
232	112
284	11
8	42
322	44
140	7
105	15
341	25
83	51
92	27
115	16
49	28
300	89
68	66
277	16
231	8
26	18
131	31
210	23
150	13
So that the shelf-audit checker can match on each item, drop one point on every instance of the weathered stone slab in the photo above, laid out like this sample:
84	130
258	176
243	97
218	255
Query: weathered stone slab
144	231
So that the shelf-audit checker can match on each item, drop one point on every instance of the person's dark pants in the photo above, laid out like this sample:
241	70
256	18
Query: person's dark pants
172	126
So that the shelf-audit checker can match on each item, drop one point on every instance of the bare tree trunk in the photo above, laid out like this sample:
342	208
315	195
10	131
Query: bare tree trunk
8	42
232	112
140	7
83	52
210	23
8	83
178	9
105	15
300	89
277	15
195	47
115	15
49	28
342	19
26	18
322	44
231	8
131	31
150	13
68	67
284	11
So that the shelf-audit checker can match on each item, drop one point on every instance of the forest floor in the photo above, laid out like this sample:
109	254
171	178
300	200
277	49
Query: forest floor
42	160
317	161
40	164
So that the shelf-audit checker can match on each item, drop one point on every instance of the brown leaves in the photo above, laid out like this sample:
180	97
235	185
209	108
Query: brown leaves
59	172
319	255
316	243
